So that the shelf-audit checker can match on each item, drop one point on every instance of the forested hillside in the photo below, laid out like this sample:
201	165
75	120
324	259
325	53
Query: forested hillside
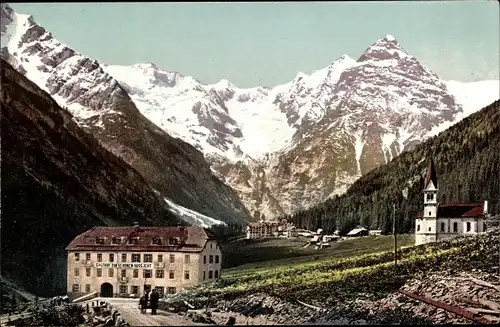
467	161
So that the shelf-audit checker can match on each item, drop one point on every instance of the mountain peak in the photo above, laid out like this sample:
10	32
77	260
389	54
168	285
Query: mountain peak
390	38
384	49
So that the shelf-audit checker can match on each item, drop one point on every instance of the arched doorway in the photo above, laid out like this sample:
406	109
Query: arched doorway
106	290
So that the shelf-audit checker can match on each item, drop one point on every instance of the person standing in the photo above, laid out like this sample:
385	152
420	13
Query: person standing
154	301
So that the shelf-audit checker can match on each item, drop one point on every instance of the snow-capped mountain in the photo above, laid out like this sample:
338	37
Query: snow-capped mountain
103	108
282	148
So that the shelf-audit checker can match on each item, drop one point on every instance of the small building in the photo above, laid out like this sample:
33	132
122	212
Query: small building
439	221
266	229
126	261
358	231
329	238
376	232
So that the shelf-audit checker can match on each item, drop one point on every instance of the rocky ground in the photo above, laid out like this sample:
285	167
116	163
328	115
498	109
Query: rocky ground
473	290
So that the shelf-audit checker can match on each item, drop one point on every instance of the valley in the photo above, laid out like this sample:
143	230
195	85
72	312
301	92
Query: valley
277	149
364	192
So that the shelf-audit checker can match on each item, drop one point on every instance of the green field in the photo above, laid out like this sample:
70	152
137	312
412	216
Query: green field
259	254
349	269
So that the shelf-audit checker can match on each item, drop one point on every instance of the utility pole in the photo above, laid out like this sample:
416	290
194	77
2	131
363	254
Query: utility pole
394	233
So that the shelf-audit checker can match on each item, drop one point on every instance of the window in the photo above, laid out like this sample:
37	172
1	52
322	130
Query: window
134	240
468	226
205	259
87	272
136	257
186	274
210	274
211	259
430	213
124	273
77	272
160	257
87	288
124	257
123	289
136	273
99	257
171	290
484	227
135	289
148	258
455	227
77	256
216	259
430	197
204	275
156	241
116	240
147	273
160	274
429	229
418	228
172	258
211	245
100	240
442	227
172	241
87	256
111	257
76	288
111	272
171	274
187	258
216	272
99	272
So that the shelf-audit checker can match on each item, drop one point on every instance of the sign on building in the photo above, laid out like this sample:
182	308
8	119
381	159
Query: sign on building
135	265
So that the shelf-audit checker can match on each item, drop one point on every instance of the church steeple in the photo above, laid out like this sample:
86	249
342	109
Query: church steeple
431	176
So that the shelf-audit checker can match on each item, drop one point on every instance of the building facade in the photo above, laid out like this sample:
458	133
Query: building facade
265	229
439	222
126	261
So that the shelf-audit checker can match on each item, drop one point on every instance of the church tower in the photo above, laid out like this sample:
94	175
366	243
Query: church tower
426	225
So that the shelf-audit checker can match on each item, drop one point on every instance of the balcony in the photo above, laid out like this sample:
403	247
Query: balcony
159	265
123	280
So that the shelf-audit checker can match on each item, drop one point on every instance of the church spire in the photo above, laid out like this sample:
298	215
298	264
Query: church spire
431	175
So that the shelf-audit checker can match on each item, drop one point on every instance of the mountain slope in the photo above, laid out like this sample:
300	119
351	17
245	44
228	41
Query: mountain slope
57	181
378	106
467	160
103	108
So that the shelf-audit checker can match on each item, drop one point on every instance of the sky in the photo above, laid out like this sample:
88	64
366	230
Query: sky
268	43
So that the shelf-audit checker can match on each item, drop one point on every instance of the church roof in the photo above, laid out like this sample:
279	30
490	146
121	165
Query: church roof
459	210
431	175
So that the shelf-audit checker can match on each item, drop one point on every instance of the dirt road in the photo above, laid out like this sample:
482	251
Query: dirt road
131	314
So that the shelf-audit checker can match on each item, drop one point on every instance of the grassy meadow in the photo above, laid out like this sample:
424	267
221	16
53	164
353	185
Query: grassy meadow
353	268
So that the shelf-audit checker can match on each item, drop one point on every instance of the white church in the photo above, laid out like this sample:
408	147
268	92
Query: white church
443	221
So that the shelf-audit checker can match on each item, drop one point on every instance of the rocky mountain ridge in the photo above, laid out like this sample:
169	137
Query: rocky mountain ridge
282	148
102	107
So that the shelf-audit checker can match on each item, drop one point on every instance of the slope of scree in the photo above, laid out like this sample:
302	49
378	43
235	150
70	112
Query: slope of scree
467	160
101	106
57	181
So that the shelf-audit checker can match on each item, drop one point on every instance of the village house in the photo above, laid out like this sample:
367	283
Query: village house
358	231
126	261
439	221
265	229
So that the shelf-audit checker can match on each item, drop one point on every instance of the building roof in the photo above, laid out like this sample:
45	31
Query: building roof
357	230
459	210
431	175
189	239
